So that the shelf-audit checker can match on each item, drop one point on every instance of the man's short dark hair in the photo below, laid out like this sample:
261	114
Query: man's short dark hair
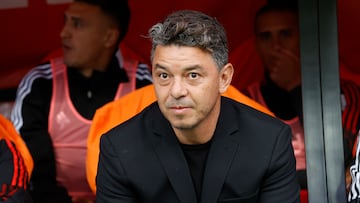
288	5
118	10
278	5
192	29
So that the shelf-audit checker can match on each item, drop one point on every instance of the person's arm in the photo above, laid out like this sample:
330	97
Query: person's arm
143	76
287	76
296	100
30	118
354	194
13	176
350	112
111	179
20	196
280	183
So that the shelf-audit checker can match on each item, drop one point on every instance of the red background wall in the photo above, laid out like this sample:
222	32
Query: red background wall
29	34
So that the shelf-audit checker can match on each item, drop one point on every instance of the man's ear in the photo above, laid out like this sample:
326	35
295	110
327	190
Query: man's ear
225	77
111	37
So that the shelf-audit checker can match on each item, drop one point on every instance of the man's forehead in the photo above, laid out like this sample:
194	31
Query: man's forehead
276	21
79	9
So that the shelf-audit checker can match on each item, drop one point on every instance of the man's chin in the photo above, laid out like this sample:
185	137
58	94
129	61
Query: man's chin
69	62
181	125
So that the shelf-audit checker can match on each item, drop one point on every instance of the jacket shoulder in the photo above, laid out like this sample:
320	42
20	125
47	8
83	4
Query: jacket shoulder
135	126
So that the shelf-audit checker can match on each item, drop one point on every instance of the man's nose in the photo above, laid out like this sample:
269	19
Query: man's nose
65	32
178	88
276	44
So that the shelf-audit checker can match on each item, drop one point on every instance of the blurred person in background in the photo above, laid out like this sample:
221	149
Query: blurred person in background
56	100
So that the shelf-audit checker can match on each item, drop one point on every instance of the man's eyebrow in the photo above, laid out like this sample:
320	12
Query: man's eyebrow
192	67
158	66
75	18
71	17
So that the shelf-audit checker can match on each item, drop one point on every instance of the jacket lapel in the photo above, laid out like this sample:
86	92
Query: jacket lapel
172	159
221	154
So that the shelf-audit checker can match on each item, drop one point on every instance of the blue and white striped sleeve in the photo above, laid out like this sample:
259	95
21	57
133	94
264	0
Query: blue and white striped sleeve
143	75
25	88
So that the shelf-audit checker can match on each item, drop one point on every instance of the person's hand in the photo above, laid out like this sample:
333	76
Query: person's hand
285	71
298	143
348	179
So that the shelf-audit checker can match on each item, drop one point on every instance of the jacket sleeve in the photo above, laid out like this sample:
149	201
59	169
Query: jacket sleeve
143	76
111	179
13	176
280	183
19	196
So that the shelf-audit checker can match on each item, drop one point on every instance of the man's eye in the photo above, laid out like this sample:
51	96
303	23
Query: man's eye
77	23
264	36
193	75
285	33
163	75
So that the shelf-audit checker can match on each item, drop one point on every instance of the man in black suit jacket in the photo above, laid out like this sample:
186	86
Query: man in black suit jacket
193	145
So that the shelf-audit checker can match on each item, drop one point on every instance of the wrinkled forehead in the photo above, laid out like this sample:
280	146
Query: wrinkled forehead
182	57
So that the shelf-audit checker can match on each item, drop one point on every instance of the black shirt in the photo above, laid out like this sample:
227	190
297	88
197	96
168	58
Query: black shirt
196	156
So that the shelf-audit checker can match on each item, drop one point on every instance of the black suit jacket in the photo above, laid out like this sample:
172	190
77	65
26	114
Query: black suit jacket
250	160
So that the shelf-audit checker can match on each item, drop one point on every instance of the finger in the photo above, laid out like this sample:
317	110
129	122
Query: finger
289	54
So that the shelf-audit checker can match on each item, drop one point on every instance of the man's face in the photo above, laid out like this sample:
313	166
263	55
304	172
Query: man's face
187	85
276	33
84	35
